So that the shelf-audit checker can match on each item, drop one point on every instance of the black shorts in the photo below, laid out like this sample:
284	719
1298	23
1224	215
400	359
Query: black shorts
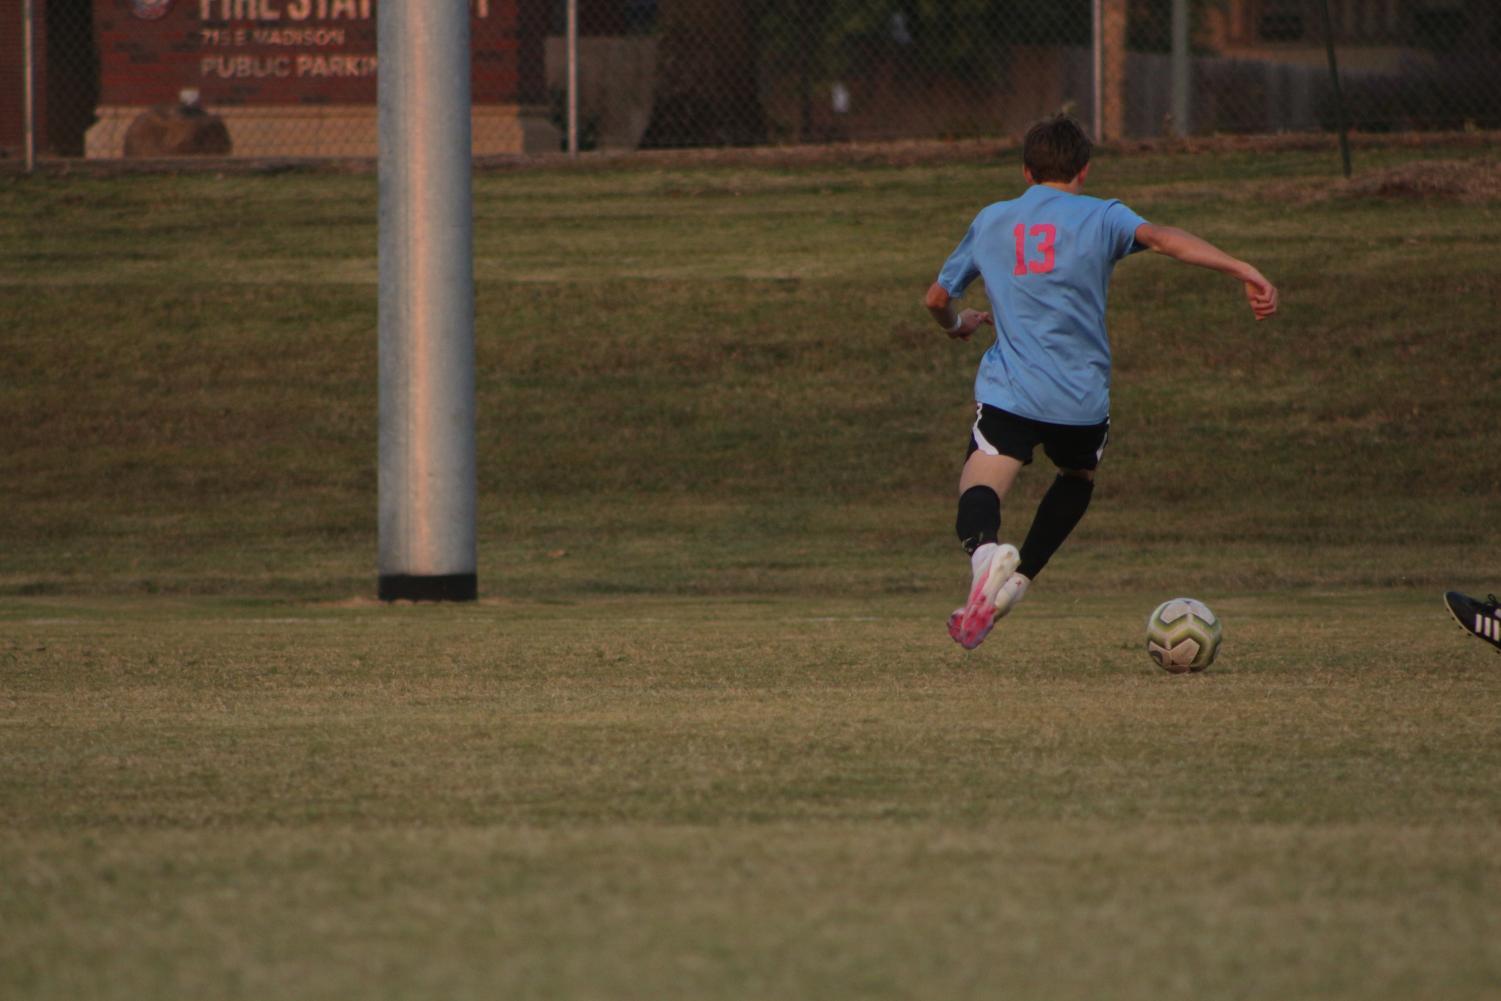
999	432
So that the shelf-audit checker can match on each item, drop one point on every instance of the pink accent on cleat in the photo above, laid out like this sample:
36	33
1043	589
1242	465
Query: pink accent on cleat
956	621
971	624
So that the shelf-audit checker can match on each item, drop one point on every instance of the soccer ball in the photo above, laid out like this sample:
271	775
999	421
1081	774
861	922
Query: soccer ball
1183	635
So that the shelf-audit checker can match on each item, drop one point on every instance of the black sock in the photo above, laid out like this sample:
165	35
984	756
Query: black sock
979	518
1060	510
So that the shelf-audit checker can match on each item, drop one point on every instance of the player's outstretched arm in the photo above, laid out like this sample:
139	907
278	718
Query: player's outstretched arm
1183	246
958	324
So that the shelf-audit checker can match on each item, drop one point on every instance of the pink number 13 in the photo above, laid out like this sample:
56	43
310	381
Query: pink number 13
1049	233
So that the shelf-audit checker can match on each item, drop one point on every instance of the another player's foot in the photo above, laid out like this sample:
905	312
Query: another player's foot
1481	619
992	565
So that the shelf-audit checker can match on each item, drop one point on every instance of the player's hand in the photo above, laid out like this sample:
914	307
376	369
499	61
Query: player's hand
1262	295
970	320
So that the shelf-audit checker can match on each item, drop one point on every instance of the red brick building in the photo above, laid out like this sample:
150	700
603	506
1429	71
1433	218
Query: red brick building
288	77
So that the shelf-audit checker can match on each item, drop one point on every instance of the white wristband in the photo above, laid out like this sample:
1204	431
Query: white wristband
958	322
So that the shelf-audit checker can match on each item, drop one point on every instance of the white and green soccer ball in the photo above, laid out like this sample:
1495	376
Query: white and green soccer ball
1183	635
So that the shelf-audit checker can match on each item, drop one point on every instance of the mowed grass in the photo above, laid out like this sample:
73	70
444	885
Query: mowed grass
654	798
702	379
705	736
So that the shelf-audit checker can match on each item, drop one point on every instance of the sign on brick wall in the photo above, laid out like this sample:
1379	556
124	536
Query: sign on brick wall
275	52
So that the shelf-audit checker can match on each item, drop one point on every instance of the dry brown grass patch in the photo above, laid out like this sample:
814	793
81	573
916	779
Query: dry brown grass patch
1466	181
1444	180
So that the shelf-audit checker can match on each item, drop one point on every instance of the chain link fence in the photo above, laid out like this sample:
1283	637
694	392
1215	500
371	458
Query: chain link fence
121	79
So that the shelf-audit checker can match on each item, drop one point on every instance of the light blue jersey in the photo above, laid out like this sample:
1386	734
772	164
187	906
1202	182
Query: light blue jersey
1046	258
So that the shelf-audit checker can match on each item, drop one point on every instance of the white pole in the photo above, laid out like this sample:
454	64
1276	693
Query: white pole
427	456
1098	34
1181	123
28	86
573	77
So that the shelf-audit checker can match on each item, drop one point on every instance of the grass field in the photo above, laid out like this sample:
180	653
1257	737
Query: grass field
704	735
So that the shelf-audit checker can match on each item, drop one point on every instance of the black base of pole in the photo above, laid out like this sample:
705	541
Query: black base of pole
447	587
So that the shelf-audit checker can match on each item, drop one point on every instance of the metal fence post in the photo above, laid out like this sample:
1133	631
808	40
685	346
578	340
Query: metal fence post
1097	40
573	77
1340	120
28	86
427	485
1181	68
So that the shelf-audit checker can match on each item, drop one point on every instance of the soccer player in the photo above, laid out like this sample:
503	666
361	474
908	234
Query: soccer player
1481	619
1046	258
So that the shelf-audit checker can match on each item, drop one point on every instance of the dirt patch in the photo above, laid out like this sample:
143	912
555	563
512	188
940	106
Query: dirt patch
1457	180
920	152
1436	180
902	153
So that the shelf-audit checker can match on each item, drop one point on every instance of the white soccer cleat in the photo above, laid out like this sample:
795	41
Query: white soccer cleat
992	565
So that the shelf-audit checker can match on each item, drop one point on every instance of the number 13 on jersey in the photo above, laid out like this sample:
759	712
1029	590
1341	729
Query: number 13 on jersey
1043	235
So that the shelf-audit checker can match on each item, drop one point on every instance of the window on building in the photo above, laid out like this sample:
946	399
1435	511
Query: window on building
1281	21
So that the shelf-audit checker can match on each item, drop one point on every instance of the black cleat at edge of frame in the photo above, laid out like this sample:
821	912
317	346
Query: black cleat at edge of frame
1459	604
